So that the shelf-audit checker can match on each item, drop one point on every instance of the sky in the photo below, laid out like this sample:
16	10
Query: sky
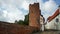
11	10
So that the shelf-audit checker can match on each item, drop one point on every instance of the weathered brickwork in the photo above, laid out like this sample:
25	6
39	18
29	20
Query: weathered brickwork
34	15
7	28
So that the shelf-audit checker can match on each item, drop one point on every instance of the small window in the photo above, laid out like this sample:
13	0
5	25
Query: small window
57	20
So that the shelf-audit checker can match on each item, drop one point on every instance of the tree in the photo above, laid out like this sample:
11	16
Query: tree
20	22
16	21
25	22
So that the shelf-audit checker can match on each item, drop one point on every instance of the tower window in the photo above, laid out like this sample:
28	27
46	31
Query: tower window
57	20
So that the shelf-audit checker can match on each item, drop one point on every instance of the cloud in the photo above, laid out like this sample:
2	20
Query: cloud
11	10
25	5
49	5
31	1
48	8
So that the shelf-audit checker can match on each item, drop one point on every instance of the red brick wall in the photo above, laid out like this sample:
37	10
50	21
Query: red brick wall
7	28
34	15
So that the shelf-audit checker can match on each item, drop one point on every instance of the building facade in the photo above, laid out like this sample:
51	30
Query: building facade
54	21
42	20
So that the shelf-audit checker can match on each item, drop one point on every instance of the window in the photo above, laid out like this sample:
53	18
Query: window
57	20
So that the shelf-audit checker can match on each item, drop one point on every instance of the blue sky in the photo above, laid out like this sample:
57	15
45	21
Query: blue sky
11	10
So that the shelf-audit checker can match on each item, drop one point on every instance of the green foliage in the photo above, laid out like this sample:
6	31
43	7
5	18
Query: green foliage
25	22
20	22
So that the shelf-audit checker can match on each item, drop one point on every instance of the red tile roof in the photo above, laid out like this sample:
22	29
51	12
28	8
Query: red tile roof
53	16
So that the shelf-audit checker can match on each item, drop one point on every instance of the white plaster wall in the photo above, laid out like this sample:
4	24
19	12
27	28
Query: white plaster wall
42	24
51	24
41	20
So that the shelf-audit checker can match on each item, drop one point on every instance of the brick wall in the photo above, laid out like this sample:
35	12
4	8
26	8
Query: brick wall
34	15
7	28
